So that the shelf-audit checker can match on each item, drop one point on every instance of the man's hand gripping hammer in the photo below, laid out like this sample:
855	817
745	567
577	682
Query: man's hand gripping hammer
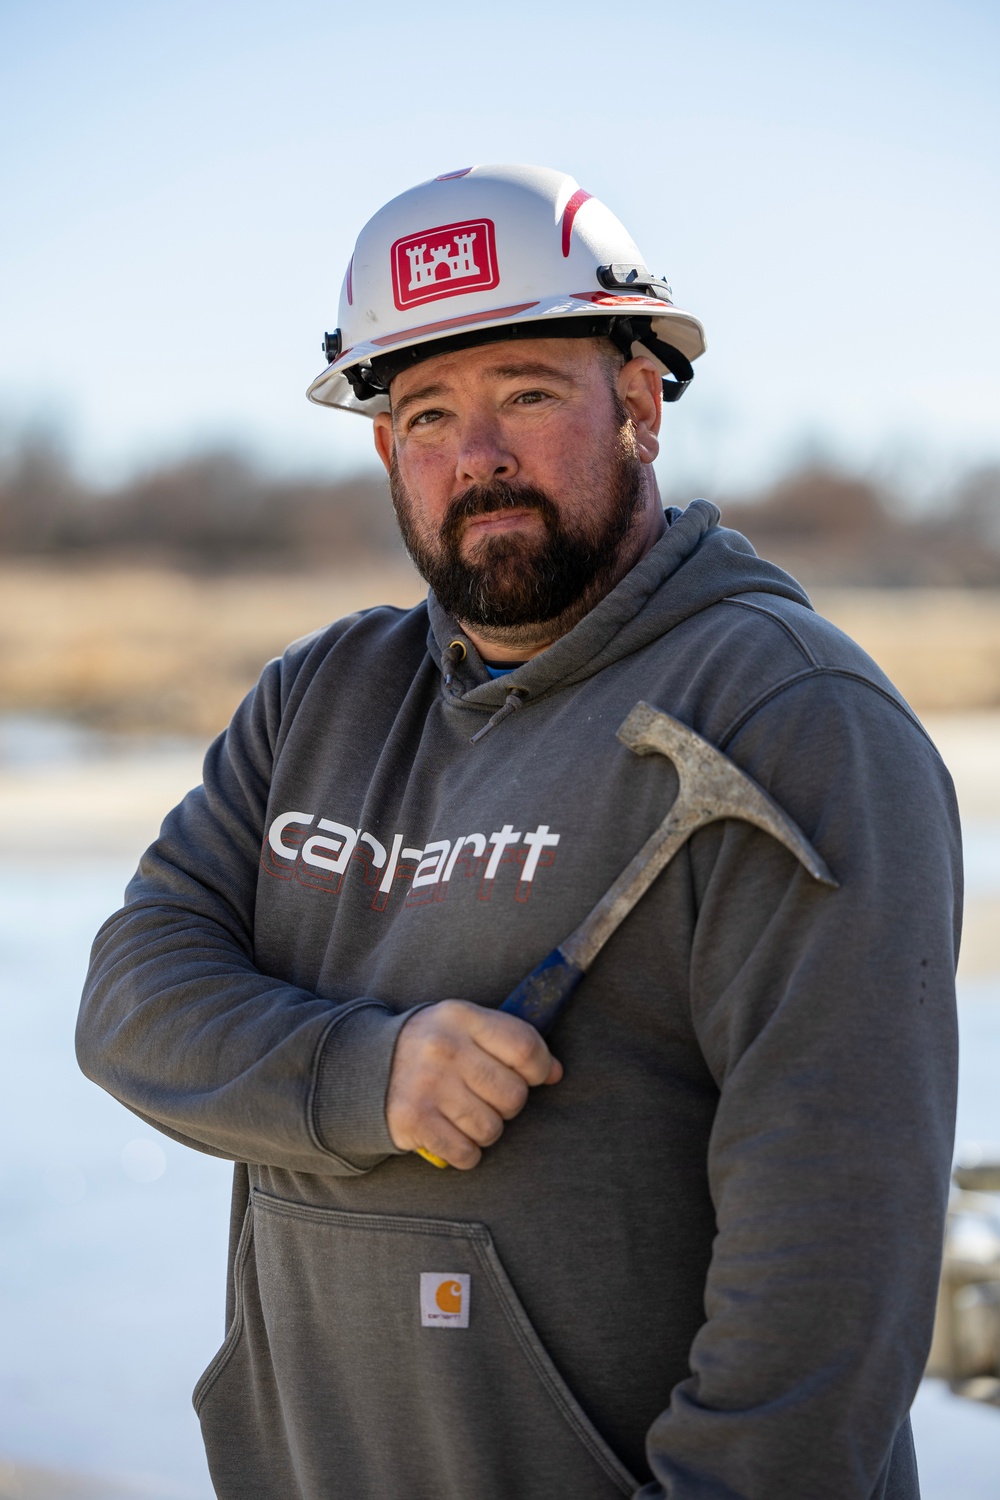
711	788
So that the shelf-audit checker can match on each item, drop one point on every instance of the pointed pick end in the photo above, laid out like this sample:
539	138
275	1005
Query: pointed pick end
820	871
766	814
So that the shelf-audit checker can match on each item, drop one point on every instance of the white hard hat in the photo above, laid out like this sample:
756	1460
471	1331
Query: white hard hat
490	253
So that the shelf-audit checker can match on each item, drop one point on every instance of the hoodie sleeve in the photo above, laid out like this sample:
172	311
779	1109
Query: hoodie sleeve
828	1021
178	1023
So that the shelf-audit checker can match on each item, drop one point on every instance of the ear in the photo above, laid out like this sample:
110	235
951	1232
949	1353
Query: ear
641	392
382	424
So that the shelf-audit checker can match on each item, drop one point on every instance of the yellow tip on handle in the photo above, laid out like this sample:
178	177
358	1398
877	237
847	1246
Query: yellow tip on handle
435	1161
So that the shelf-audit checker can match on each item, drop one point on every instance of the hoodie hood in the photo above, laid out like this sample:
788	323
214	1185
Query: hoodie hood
695	564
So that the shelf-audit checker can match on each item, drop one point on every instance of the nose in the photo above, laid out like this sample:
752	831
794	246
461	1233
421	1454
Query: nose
483	455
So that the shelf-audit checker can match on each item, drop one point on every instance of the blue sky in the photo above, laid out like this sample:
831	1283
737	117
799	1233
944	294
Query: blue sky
182	184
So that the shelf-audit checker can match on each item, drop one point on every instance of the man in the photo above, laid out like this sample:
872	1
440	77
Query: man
692	1250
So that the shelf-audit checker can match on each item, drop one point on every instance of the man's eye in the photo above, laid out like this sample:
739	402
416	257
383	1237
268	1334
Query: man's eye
530	398
425	418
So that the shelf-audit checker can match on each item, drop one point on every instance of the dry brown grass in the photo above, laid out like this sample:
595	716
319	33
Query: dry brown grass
941	647
129	648
155	649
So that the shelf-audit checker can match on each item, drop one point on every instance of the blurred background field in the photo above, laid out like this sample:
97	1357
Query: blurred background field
153	649
153	605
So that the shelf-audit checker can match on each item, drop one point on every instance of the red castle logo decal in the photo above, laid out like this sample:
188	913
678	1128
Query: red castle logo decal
448	261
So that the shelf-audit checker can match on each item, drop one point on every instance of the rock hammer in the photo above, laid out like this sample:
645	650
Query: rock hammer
710	789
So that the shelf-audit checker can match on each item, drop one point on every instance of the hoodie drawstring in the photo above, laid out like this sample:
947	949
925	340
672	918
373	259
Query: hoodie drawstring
453	655
450	659
514	700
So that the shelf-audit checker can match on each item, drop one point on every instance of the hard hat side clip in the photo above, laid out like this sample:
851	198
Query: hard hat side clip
627	278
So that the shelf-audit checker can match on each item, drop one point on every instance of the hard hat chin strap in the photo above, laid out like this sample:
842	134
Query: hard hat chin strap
374	379
627	332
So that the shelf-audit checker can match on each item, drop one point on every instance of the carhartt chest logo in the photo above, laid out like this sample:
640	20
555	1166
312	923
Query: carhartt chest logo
317	852
444	262
444	1299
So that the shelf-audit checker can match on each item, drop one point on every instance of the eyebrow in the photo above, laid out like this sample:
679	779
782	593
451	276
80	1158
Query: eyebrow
527	370
424	394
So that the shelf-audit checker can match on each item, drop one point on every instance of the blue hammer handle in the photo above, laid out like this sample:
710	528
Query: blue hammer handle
541	996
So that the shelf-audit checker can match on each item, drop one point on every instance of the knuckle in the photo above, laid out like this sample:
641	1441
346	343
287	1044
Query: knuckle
438	1044
483	1074
516	1097
414	1121
466	1157
451	1144
436	1137
445	1030
451	1012
440	1048
484	1126
502	1088
525	1049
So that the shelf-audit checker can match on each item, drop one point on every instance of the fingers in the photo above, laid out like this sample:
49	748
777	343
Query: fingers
446	1117
457	1130
459	1073
499	1087
448	1144
511	1040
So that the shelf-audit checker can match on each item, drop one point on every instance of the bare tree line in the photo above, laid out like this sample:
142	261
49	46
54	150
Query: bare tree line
830	526
216	510
223	511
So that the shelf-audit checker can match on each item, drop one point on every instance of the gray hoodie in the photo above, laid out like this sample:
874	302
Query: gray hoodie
704	1264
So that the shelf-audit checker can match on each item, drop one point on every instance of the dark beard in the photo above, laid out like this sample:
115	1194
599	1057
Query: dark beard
514	580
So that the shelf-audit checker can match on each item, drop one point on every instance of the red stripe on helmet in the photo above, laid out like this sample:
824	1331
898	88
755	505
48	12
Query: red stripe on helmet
496	312
447	176
570	212
610	299
350	282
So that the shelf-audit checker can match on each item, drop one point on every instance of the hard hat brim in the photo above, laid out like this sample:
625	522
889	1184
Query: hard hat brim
671	324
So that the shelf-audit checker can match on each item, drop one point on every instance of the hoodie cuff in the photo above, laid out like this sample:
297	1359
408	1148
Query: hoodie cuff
352	1077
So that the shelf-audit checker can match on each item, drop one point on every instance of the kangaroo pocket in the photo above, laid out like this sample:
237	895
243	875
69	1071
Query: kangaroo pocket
375	1356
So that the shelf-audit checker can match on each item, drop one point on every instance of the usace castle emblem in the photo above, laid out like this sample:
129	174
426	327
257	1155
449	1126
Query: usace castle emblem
448	261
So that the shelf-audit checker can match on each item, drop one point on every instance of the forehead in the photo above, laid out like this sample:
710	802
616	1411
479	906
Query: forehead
572	360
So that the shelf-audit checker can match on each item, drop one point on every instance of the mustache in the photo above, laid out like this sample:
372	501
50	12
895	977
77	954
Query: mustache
486	499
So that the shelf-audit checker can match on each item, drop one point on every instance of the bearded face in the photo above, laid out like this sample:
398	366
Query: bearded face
516	578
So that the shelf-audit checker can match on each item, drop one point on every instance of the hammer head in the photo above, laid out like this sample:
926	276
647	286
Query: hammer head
711	787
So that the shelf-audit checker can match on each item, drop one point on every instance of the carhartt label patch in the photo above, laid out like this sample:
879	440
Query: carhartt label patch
444	1299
